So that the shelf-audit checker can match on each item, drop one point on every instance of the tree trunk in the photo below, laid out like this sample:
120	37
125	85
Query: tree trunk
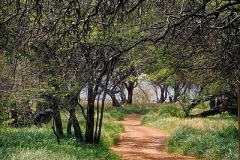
163	89
122	94
238	84
156	93
232	110
90	116
115	102
130	87
76	127
176	94
98	134
72	121
171	99
212	103
58	124
69	125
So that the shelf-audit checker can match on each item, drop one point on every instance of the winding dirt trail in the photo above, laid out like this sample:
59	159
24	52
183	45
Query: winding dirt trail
141	142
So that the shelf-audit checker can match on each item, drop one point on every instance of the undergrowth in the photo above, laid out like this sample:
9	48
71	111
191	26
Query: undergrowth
40	143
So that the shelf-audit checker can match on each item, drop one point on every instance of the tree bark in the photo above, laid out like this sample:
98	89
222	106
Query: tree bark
72	121
122	94
58	124
238	84
90	116
98	134
163	89
232	110
130	87
115	102
76	127
69	126
176	94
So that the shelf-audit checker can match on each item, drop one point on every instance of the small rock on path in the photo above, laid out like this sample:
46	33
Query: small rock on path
142	142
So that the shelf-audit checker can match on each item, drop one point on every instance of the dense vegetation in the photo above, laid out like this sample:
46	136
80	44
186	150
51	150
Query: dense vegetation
68	57
213	137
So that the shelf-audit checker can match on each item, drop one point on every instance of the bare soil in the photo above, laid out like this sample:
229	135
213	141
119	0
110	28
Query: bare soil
141	142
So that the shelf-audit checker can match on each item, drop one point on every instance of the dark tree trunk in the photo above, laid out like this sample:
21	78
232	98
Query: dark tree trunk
115	102
122	94
163	97
176	95
57	118
69	125
155	89
90	116
238	107
130	87
171	99
58	124
99	127
232	110
74	122
76	127
212	103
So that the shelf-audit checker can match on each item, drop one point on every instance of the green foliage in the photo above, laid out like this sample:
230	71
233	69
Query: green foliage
160	68
216	88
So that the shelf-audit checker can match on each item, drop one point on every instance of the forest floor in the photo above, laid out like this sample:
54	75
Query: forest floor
142	142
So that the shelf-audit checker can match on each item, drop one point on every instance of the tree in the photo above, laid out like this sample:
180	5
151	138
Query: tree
66	46
69	45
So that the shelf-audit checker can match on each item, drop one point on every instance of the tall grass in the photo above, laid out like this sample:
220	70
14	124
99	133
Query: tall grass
218	144
214	137
40	143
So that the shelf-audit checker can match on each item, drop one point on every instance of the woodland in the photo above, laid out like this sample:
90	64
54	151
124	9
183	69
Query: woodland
53	52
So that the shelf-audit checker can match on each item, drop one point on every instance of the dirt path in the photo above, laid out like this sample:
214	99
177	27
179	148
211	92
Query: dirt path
141	142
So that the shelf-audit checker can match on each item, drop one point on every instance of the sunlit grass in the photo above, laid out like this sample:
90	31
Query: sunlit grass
40	143
219	144
213	137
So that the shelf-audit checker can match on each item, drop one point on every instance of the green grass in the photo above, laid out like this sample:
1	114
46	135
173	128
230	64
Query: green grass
218	144
119	112
40	143
214	137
